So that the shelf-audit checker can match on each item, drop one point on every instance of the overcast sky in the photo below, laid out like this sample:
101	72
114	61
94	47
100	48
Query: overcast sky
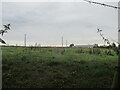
46	22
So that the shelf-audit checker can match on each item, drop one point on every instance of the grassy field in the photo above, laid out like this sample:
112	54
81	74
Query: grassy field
57	67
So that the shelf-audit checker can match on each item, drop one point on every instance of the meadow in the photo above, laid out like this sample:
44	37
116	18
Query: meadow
52	67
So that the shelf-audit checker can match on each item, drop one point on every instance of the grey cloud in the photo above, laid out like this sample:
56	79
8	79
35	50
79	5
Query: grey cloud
47	22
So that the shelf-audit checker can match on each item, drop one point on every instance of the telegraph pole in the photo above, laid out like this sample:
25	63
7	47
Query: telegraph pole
66	43
62	41
36	44
118	68
25	40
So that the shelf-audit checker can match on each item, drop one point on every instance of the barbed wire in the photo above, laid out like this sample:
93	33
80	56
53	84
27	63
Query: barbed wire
103	4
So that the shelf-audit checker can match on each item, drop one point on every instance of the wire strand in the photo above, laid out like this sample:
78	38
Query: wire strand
103	4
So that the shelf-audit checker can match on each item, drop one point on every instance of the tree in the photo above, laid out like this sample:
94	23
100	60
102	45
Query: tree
95	46
71	45
5	30
105	39
113	44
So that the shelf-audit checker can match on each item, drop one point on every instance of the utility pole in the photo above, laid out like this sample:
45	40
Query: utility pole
35	44
66	43
118	68
25	40
39	45
62	41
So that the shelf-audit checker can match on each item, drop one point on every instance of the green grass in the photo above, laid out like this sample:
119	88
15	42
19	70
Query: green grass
57	68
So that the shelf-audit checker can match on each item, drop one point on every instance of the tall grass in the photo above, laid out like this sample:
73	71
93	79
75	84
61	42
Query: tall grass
57	67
